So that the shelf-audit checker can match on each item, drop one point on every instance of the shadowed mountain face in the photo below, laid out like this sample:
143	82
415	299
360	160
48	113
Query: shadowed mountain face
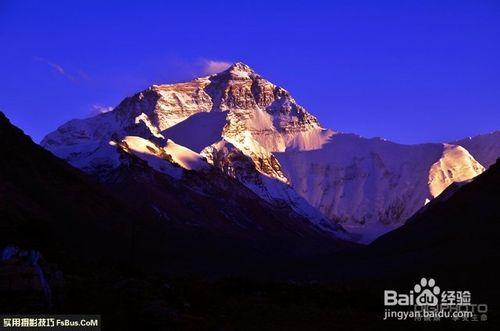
454	238
65	239
48	205
457	233
68	245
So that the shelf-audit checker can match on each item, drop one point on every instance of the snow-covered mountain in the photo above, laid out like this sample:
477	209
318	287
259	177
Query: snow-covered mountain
373	185
255	132
485	147
235	115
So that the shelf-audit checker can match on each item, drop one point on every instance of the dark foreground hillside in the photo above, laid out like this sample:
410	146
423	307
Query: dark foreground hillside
100	255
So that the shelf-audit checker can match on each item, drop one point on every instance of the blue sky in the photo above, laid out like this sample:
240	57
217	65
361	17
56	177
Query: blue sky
409	71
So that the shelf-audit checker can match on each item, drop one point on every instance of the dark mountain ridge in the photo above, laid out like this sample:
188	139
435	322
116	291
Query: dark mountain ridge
50	206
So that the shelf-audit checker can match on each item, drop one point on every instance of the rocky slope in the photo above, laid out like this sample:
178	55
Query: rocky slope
235	108
255	132
48	205
59	227
69	243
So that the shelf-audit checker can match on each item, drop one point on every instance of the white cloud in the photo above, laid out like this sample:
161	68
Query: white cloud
178	69
211	67
97	109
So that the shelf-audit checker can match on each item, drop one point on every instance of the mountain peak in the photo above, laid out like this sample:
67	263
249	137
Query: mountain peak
239	70
240	66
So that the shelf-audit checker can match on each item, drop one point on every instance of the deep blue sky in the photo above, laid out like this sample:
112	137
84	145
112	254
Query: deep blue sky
409	71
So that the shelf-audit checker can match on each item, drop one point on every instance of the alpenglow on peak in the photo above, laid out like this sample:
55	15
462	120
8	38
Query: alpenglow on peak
237	70
255	131
240	66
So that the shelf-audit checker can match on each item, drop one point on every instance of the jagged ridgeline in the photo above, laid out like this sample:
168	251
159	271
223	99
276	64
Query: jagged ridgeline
255	132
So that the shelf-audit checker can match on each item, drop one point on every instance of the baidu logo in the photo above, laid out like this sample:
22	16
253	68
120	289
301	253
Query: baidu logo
427	301
428	292
425	293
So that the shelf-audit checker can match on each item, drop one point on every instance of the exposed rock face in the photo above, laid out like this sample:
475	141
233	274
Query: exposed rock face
455	165
236	107
258	118
255	131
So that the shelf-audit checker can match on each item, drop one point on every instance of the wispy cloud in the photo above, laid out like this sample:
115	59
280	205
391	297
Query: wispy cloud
178	69
56	67
97	109
80	74
210	67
